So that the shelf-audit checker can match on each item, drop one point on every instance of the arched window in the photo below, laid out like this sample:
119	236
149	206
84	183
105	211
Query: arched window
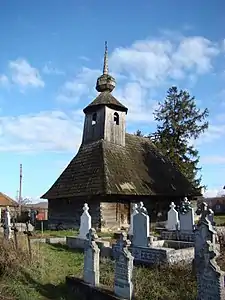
116	118
94	119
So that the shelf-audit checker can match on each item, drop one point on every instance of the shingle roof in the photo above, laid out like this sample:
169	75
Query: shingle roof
103	168
7	201
105	98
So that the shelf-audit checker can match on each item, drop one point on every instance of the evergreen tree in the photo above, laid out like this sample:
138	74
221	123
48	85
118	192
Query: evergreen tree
138	133
179	123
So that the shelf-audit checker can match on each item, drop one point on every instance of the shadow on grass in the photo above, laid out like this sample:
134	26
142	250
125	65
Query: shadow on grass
49	291
64	247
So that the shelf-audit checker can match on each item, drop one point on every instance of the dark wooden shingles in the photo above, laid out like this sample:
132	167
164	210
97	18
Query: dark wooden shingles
105	168
105	98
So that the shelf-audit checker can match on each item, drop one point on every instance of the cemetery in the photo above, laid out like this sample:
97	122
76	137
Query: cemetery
137	265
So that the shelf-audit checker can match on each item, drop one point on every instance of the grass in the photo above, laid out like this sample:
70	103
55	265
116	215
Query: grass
63	233
219	219
44	278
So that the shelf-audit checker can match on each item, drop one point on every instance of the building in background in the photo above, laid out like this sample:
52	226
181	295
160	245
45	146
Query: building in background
7	201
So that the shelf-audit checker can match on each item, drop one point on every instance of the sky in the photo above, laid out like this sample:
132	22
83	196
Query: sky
52	53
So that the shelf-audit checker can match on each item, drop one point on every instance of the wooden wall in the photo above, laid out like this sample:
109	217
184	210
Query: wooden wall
115	133
106	212
105	126
94	132
68	212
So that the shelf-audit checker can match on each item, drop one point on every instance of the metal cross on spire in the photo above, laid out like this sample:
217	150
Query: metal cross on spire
105	65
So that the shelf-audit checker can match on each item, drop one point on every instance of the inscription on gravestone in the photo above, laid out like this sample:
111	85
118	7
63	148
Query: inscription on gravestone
123	286
91	259
210	279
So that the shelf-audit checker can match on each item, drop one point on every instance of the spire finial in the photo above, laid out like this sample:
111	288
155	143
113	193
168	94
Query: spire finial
105	66
105	83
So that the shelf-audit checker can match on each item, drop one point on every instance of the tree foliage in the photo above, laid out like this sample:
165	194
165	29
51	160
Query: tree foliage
138	133
180	122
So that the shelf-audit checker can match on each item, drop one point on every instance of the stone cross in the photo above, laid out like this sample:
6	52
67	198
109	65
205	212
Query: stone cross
172	218
7	224
91	259
134	212
85	223
141	227
141	208
123	286
210	278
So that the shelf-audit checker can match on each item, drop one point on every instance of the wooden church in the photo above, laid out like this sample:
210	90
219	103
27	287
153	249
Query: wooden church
113	169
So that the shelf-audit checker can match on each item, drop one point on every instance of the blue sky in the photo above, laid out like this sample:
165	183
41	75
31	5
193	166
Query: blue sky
51	56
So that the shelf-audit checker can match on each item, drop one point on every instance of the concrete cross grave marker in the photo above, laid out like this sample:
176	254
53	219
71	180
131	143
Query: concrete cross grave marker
141	227
210	279
172	218
91	259
123	286
85	223
134	212
7	224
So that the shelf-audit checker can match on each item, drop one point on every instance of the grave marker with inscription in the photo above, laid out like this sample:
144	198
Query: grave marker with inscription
7	224
141	227
186	216
172	218
123	286
91	259
210	279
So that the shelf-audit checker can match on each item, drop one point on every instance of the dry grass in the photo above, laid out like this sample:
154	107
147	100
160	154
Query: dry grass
44	277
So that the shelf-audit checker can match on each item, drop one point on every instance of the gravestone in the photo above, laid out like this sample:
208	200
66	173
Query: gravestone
134	212
210	279
85	223
186	216
7	224
211	216
141	227
172	218
91	259
123	286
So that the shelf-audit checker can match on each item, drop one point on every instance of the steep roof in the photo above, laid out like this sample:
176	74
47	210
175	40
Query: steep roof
7	201
105	98
103	168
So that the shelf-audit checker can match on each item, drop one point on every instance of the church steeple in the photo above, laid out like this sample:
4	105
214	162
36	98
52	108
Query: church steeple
106	60
105	116
105	83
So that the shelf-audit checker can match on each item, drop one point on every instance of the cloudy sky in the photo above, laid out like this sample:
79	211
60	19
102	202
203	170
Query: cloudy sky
51	55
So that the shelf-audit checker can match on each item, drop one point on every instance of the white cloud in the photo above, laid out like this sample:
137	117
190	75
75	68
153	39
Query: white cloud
214	132
213	159
4	81
82	84
139	70
217	192
49	69
154	61
45	131
85	58
23	74
145	66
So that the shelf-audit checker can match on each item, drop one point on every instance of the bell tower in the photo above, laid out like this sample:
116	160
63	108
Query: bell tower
105	117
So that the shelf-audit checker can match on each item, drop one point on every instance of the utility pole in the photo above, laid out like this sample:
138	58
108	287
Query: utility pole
20	189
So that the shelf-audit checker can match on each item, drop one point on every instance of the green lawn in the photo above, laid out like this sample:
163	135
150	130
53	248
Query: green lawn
219	219
63	233
44	278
